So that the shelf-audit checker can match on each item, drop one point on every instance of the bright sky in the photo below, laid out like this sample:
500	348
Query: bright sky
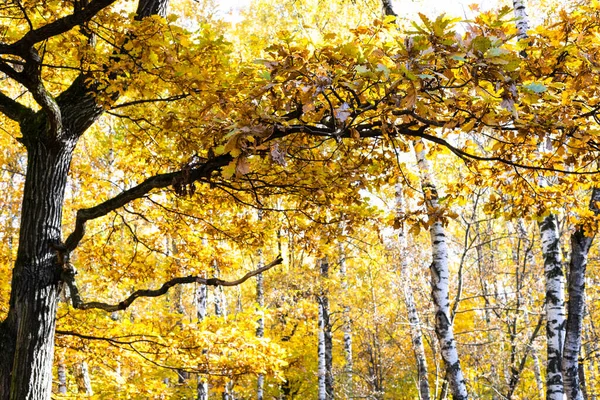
408	8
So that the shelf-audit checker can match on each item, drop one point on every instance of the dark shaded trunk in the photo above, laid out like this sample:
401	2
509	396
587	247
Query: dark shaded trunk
580	247
50	136
28	332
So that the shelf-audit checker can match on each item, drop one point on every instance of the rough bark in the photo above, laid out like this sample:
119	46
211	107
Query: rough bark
35	286
49	136
411	309
440	277
580	246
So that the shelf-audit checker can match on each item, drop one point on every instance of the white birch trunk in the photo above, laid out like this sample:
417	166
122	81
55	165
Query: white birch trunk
440	279
347	324
220	303
321	355
555	285
260	329
411	309
82	376
201	307
522	19
325	341
172	250
555	306
219	299
62	375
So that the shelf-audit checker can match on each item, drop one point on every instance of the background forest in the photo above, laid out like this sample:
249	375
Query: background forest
320	200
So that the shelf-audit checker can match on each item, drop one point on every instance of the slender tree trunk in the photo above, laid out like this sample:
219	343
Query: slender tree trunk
440	279
82	375
555	312
62	375
413	316
325	340
580	247
523	236
591	371
522	19
555	306
201	307
347	323
260	329
171	249
220	303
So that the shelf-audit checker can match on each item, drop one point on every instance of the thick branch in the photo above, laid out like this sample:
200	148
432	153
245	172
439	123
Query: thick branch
156	182
68	276
13	109
79	106
58	27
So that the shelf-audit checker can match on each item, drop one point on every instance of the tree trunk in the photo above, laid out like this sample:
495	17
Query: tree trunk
201	306
325	341
82	375
50	136
411	309
220	302
440	279
522	20
260	329
347	324
580	247
62	375
28	333
591	372
555	306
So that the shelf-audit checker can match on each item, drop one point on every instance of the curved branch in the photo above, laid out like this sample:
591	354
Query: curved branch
186	176
464	155
68	276
54	28
113	341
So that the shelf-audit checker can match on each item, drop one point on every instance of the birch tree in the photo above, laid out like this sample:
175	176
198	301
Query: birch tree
260	301
201	308
413	316
325	340
347	321
440	277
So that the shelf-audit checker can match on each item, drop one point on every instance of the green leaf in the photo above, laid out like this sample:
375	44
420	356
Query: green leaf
481	43
361	69
266	75
535	87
